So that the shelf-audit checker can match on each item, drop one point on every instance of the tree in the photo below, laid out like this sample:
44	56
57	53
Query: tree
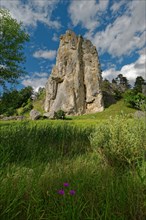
10	101
138	84
114	81
12	38
26	94
122	81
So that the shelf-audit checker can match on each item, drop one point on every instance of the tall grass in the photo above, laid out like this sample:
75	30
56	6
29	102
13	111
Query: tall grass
41	141
37	158
120	141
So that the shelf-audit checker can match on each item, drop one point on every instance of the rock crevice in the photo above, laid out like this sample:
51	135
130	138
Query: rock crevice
75	81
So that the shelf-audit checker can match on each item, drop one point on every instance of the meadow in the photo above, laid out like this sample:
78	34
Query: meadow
87	167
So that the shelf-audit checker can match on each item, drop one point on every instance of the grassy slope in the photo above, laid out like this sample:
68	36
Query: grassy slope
91	119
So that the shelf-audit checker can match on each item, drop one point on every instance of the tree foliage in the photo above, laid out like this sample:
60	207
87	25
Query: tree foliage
12	38
12	100
135	100
60	114
138	84
122	81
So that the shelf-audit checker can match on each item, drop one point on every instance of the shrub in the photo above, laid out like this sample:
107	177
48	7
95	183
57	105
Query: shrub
120	142
60	114
134	100
26	108
10	111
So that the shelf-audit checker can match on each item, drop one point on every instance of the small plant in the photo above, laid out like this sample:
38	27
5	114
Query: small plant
60	114
70	192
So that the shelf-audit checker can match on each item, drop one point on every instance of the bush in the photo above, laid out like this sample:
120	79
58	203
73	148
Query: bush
120	142
26	108
60	114
10	111
135	100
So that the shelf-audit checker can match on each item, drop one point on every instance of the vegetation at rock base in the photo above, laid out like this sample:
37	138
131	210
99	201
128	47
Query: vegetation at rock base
60	114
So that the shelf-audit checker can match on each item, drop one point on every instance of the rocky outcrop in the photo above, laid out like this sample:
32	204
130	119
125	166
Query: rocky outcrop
74	83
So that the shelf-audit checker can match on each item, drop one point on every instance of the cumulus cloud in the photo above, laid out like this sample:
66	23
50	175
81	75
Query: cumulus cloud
131	71
32	11
36	80
46	54
127	32
86	12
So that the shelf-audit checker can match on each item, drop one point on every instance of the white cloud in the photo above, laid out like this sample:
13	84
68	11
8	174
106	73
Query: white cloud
103	5
86	12
46	54
32	11
36	80
55	37
131	71
116	6
125	34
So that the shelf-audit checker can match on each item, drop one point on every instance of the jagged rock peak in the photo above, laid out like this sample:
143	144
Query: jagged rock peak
74	84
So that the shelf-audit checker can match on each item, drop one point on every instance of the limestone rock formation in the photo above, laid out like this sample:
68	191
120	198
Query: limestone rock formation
74	83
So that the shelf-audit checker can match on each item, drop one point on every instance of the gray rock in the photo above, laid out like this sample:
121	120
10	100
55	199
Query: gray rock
75	81
139	114
18	118
34	114
49	115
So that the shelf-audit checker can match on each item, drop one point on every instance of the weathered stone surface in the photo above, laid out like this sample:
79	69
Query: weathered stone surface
34	114
49	115
74	83
19	118
140	114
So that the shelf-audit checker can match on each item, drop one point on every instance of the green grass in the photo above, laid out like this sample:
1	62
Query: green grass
31	192
111	111
37	157
37	104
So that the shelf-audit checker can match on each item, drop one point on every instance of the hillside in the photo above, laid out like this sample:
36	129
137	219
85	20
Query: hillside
113	110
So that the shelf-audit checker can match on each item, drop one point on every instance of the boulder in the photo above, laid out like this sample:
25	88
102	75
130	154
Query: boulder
140	114
18	118
34	114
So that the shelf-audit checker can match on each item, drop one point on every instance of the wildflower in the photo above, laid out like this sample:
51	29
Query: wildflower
66	184
72	192
61	192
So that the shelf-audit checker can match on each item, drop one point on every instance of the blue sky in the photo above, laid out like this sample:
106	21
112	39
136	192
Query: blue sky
116	27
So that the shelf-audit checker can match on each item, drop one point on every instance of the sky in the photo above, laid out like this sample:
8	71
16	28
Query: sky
116	27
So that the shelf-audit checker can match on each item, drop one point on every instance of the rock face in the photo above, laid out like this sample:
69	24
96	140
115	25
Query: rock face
74	83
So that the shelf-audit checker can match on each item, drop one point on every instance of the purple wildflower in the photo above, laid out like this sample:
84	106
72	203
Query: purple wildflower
72	192
66	184
61	192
